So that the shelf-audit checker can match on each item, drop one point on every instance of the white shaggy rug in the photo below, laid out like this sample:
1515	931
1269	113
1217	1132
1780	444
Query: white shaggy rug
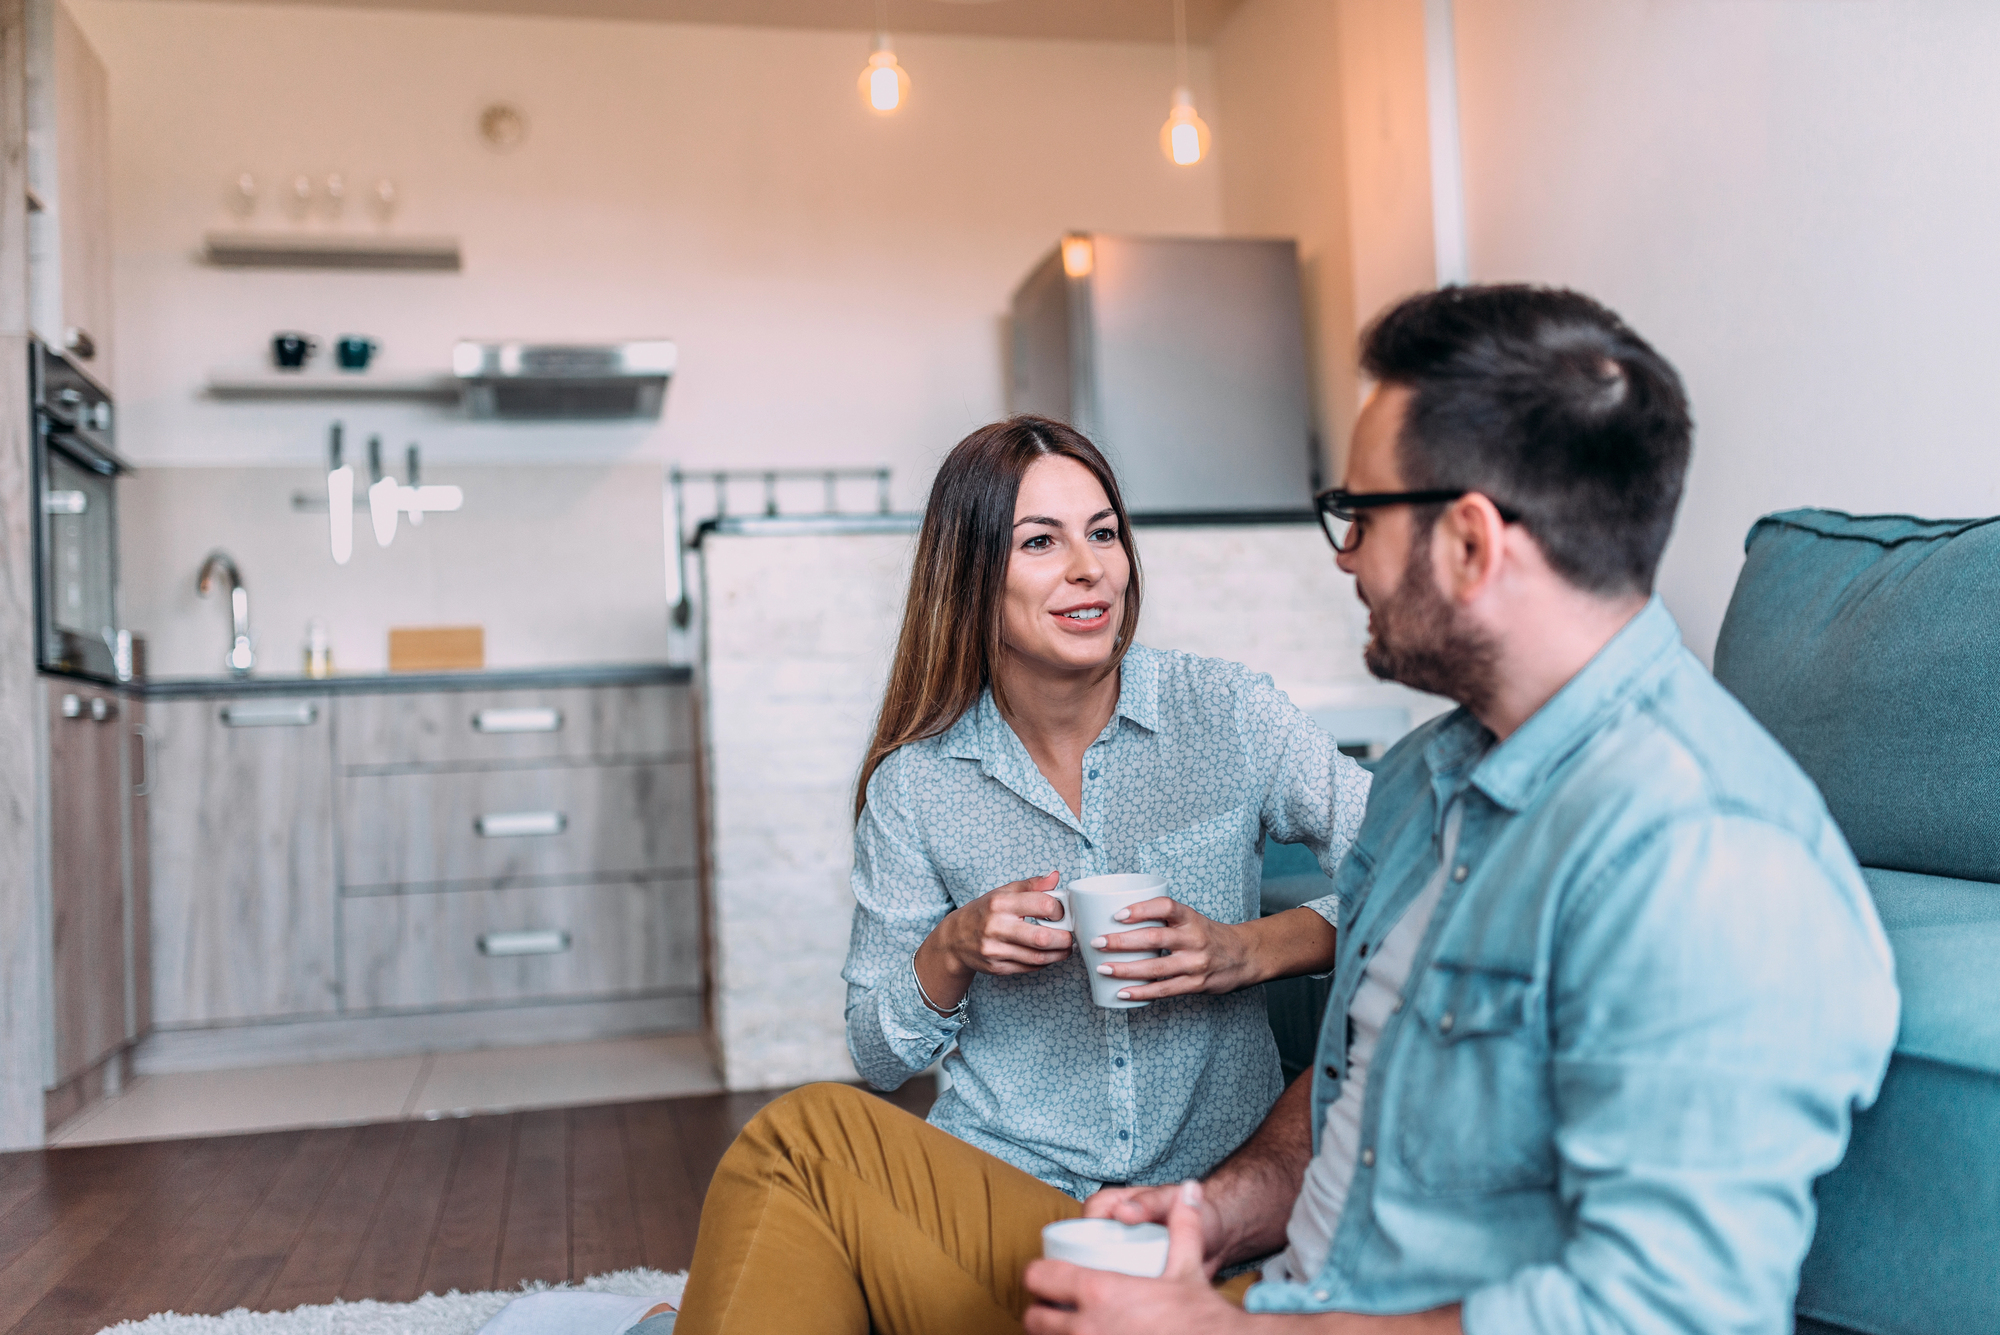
452	1313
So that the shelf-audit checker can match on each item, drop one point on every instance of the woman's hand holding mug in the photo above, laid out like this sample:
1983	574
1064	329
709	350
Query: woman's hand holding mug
993	934
1207	956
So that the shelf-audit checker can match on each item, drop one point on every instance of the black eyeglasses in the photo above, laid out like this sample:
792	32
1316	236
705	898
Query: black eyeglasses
1338	509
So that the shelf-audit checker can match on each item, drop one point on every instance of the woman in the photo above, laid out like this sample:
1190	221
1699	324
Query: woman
1026	736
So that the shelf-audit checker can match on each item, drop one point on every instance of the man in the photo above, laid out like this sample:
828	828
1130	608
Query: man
1609	983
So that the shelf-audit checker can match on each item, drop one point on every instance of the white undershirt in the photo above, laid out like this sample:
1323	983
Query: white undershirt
1324	1194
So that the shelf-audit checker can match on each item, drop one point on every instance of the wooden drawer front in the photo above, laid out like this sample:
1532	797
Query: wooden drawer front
426	828
468	727
425	949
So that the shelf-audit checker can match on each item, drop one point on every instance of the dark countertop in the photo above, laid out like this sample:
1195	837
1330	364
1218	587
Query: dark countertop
382	683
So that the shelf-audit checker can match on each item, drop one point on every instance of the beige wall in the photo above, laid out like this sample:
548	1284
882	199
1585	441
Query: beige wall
835	280
560	565
1795	203
1329	143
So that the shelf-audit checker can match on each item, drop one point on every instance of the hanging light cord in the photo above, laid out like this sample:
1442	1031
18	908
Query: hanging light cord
882	17
1180	42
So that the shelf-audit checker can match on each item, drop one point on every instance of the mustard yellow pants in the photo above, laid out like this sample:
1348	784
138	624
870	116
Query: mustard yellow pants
836	1213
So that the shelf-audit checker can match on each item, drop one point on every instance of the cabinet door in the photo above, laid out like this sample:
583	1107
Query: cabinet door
70	172
86	876
242	859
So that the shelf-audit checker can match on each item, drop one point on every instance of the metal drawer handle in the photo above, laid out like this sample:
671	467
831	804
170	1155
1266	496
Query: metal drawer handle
275	714
535	941
517	720
515	824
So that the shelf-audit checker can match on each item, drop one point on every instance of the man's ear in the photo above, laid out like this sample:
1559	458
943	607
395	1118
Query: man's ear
1468	546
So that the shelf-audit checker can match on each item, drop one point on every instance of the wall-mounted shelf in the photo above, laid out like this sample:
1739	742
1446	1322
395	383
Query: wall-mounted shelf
302	385
305	250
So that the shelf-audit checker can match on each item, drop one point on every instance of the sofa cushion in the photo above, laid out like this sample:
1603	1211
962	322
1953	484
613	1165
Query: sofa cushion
1870	647
1946	938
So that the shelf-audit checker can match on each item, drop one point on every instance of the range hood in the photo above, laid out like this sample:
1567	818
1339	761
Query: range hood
518	380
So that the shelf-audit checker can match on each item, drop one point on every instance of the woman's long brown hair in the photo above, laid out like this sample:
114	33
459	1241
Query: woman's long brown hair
952	621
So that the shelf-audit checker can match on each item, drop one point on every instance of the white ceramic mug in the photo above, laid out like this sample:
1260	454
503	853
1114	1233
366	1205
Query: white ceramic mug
1092	902
1106	1244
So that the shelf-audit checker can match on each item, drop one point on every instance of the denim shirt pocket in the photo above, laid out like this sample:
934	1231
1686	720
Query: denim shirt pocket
1476	1113
1207	865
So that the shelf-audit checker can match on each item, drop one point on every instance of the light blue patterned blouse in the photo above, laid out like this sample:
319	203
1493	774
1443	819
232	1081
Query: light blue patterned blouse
1202	762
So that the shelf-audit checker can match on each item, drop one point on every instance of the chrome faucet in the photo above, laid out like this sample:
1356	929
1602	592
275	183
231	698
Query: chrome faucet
241	655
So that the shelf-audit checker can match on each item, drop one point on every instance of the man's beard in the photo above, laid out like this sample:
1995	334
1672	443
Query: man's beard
1425	643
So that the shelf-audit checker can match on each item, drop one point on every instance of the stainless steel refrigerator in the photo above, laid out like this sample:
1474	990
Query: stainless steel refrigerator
1184	359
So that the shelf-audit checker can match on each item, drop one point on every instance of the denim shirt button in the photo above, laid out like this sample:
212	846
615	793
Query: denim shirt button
1445	1022
1320	1295
1461	872
1333	1072
1368	1158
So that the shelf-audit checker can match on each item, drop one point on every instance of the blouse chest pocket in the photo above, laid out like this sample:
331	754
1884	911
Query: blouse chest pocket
1207	865
1475	1113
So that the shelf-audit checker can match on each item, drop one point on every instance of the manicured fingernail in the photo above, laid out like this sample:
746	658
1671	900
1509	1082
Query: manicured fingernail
1104	969
1097	943
1123	915
1190	1192
1124	994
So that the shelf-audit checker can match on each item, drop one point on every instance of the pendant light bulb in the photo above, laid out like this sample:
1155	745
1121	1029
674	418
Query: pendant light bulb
885	85
1184	138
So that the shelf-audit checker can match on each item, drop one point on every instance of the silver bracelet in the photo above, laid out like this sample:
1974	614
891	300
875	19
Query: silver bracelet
943	1013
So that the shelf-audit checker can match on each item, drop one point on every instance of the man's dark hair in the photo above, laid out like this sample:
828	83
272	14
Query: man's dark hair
1549	405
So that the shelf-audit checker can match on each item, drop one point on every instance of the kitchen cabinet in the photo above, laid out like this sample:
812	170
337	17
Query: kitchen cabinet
69	185
97	876
515	846
357	864
243	882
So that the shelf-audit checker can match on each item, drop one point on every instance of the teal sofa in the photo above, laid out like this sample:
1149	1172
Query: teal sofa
1870	647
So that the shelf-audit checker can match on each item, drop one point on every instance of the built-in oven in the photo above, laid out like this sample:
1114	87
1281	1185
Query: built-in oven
76	522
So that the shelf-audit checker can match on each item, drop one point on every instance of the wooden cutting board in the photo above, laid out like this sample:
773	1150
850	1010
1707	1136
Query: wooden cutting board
436	648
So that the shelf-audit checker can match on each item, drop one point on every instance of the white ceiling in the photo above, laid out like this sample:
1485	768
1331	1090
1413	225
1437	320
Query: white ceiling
1107	20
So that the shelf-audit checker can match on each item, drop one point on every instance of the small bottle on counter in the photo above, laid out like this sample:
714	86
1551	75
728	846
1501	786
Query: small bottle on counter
319	650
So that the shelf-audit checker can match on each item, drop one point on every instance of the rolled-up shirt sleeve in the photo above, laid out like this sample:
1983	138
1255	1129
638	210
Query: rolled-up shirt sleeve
1316	795
1695	1101
898	900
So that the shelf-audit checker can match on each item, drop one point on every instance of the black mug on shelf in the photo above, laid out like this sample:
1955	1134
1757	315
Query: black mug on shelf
354	350
289	351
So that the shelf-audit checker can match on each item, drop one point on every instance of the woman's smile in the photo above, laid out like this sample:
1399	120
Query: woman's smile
1085	618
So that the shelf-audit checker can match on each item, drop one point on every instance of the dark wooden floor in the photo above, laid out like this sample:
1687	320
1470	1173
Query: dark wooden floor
98	1234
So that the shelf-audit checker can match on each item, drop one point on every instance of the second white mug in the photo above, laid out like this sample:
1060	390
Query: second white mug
1092	901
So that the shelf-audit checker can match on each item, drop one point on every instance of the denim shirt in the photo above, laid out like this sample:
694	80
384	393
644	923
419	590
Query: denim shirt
1202	761
1652	994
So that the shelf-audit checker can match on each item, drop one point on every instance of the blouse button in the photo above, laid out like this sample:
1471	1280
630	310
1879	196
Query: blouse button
1124	1135
1119	1062
1093	774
